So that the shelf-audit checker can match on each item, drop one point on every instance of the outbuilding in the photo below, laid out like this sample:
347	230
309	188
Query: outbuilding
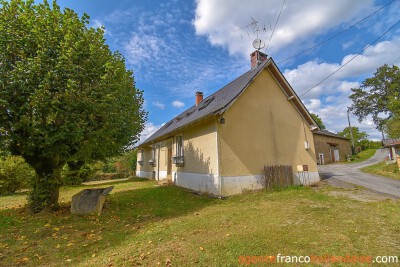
330	147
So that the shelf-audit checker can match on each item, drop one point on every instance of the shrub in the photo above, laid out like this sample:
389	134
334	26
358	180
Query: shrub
76	175
15	174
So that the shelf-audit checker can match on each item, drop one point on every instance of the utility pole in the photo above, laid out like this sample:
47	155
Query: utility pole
353	151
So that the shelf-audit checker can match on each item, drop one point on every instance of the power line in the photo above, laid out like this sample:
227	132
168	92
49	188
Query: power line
395	61
344	65
276	22
339	33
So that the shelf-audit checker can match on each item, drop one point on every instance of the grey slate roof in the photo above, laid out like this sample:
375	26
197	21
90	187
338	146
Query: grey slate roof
328	133
209	106
218	102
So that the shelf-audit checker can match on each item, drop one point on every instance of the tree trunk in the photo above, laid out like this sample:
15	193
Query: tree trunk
46	185
74	174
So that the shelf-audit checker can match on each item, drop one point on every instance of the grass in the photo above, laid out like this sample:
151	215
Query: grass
390	170
363	155
148	225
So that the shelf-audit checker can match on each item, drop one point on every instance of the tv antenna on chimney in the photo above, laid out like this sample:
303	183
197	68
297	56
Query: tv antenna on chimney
251	29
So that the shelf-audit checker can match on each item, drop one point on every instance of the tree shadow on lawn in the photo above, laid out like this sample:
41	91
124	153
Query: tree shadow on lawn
125	215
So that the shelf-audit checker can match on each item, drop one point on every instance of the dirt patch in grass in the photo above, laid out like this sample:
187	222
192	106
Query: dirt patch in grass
338	188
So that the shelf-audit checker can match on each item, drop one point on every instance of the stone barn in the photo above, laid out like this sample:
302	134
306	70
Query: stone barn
330	147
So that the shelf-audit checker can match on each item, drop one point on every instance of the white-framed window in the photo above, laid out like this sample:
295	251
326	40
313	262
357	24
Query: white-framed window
152	161
178	159
179	145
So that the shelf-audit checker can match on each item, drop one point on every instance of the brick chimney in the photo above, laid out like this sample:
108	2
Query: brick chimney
199	97
256	58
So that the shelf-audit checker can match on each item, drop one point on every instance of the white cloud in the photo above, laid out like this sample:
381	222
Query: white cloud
313	104
372	58
348	44
141	48
149	129
300	20
330	100
158	105
178	104
96	24
346	86
307	75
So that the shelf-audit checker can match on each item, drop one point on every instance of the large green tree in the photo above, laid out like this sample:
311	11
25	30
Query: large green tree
318	120
379	96
358	136
63	94
393	127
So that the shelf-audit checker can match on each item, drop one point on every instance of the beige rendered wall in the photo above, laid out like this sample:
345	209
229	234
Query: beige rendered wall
262	128
145	170
200	170
200	150
161	157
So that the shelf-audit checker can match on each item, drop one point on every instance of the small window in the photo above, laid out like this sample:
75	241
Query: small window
178	159
179	145
152	161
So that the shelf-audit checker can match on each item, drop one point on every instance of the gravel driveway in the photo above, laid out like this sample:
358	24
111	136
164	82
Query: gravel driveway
350	173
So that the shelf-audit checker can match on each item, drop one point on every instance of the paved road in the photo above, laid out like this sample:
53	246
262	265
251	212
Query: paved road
350	173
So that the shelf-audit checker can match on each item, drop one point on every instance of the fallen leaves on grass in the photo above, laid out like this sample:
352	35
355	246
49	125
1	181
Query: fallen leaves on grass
22	260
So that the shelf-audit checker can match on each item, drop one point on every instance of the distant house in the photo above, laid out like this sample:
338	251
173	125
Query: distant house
394	148
220	145
330	147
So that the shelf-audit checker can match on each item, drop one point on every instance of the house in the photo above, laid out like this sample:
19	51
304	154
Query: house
221	144
330	147
394	149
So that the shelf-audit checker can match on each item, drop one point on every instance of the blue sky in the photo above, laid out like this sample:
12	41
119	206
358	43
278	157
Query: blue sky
178	47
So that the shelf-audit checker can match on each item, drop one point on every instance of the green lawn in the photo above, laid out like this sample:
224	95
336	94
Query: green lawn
148	225
363	155
390	171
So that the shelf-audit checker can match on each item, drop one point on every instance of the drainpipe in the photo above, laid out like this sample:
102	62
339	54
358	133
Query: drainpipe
158	162
218	159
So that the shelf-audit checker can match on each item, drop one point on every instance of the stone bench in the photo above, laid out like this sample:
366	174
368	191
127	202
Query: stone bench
89	201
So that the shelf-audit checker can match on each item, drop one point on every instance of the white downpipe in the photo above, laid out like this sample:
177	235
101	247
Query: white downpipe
218	159
158	162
